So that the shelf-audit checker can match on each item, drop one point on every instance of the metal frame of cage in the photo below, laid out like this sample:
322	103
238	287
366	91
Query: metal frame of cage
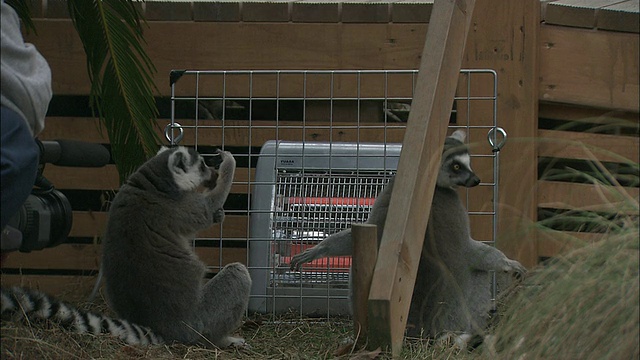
319	289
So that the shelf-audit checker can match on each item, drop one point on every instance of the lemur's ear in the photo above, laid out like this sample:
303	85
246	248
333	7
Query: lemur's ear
459	135
162	149
177	160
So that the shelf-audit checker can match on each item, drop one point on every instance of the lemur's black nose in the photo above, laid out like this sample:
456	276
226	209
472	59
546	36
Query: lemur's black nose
473	181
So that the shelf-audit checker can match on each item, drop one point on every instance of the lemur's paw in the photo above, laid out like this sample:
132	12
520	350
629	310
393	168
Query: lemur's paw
226	157
515	268
237	343
218	216
299	259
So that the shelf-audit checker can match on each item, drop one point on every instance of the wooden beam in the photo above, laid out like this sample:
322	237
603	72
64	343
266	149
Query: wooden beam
505	38
365	253
395	272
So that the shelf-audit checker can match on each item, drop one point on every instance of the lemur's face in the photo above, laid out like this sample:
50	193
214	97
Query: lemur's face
456	171
188	168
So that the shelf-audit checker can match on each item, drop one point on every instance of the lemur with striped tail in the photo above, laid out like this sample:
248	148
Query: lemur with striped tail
154	279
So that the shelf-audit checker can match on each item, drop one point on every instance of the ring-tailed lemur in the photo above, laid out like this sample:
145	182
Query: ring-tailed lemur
154	279
452	291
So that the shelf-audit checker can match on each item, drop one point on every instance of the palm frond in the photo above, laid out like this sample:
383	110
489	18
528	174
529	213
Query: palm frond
121	77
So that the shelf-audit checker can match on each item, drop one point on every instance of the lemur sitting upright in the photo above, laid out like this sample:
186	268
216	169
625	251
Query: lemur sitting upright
154	279
452	291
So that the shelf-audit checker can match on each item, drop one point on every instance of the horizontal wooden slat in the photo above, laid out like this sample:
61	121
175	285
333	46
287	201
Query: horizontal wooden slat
236	132
69	288
63	256
227	46
106	178
622	119
552	243
87	257
561	195
92	224
586	146
592	68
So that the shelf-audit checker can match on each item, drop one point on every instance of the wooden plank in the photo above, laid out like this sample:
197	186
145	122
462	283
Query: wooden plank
411	11
587	197
365	253
227	46
505	39
56	9
106	178
365	11
168	11
315	11
80	178
68	288
623	16
587	146
624	120
574	69
87	257
63	256
236	132
553	243
394	275
265	11
578	13
92	224
217	11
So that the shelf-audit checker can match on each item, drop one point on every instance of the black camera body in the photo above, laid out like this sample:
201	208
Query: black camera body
44	220
46	217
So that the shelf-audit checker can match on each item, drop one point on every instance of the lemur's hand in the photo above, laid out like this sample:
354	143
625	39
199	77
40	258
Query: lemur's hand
515	268
228	162
301	258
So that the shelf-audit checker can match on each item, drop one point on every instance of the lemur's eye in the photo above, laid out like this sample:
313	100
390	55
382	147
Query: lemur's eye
455	167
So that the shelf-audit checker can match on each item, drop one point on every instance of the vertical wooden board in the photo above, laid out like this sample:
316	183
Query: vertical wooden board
365	252
504	38
394	275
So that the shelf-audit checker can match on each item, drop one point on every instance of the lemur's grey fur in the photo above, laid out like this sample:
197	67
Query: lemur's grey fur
153	276
452	291
154	279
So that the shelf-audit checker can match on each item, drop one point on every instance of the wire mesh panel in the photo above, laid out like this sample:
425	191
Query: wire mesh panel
313	150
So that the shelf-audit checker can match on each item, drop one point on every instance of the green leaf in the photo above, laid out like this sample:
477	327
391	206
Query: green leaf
121	77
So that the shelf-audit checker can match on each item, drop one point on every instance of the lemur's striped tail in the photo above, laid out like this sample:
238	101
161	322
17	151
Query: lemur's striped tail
19	303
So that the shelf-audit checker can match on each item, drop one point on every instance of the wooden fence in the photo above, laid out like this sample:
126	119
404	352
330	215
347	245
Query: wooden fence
577	71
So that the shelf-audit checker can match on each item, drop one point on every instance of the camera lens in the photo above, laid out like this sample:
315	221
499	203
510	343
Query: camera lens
44	220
